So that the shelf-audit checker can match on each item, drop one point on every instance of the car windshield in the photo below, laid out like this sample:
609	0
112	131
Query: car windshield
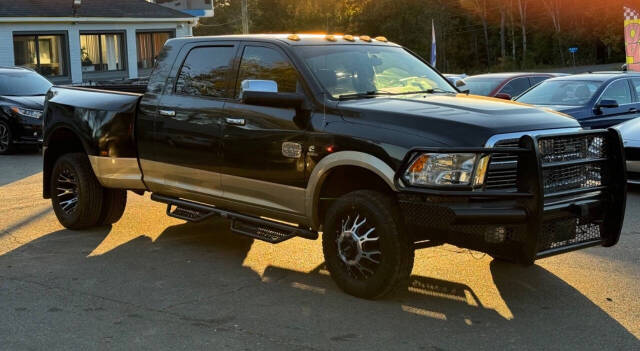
369	69
482	86
22	83
561	92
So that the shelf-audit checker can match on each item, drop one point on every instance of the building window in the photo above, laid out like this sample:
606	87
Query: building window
102	52
43	53
149	46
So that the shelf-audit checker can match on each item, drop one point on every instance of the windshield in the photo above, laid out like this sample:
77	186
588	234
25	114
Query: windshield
482	86
22	83
561	92
369	69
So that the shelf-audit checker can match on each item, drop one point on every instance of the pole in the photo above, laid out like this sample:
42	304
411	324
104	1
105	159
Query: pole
245	18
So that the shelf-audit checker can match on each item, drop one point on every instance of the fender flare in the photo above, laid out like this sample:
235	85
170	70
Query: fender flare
342	158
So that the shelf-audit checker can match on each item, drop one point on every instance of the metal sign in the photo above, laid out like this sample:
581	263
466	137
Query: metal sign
573	50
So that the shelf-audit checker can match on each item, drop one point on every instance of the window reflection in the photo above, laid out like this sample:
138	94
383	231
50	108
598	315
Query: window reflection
267	64
204	72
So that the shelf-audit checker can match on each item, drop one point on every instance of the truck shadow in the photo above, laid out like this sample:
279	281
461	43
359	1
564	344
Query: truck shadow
22	164
195	272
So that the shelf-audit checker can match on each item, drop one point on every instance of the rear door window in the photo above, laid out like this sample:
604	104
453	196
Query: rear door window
536	80
636	85
618	91
516	87
205	72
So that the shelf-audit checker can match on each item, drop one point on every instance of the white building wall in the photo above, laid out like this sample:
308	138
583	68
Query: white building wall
73	35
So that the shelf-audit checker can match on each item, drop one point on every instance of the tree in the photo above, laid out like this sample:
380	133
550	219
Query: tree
522	9
553	8
479	8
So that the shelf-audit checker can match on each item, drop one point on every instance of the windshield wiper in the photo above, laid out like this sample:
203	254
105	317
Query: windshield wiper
368	94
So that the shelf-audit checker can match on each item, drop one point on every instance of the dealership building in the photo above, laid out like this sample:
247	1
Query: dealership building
75	41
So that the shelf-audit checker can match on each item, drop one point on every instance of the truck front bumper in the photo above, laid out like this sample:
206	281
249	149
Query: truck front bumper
530	223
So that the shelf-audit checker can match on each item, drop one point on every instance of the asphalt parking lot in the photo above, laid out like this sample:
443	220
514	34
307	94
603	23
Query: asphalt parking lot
153	282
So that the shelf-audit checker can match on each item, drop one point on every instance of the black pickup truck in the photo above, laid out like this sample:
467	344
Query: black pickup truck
354	137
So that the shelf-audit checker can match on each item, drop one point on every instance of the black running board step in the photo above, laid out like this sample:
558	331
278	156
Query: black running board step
187	213
262	232
258	228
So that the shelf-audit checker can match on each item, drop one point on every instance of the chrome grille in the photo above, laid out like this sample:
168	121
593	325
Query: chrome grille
572	162
572	177
502	173
570	148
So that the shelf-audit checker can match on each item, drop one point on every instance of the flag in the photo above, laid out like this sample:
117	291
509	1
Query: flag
632	37
433	44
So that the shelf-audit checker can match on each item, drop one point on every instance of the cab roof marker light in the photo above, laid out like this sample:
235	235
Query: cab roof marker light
382	39
365	38
348	37
294	37
331	37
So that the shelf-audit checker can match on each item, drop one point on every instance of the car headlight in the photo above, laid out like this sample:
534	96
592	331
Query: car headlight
25	112
450	169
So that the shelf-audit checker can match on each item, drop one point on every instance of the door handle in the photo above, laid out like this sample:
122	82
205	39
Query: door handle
633	110
167	113
235	121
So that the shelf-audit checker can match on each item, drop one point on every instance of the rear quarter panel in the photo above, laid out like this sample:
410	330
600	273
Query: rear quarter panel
103	120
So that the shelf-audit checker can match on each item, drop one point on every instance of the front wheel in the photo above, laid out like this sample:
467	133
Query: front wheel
365	248
6	142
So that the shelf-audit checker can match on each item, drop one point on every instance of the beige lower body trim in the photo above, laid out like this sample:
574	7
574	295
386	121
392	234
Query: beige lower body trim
115	172
159	176
633	166
240	194
255	197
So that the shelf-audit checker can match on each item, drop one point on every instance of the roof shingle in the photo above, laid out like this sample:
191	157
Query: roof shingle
89	8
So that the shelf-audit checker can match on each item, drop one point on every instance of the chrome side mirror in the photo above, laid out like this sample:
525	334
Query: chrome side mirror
259	86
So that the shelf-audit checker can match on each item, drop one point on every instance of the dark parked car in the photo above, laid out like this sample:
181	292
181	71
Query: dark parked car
503	85
357	138
22	93
630	131
596	100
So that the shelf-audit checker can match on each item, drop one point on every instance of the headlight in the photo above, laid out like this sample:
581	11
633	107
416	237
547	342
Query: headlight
25	112
435	169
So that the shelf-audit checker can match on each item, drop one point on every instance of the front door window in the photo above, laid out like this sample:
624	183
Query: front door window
262	63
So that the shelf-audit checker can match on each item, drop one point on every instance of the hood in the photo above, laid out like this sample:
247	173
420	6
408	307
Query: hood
32	102
453	120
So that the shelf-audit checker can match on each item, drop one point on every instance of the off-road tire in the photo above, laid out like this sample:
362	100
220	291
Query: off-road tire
115	201
89	192
397	253
9	139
